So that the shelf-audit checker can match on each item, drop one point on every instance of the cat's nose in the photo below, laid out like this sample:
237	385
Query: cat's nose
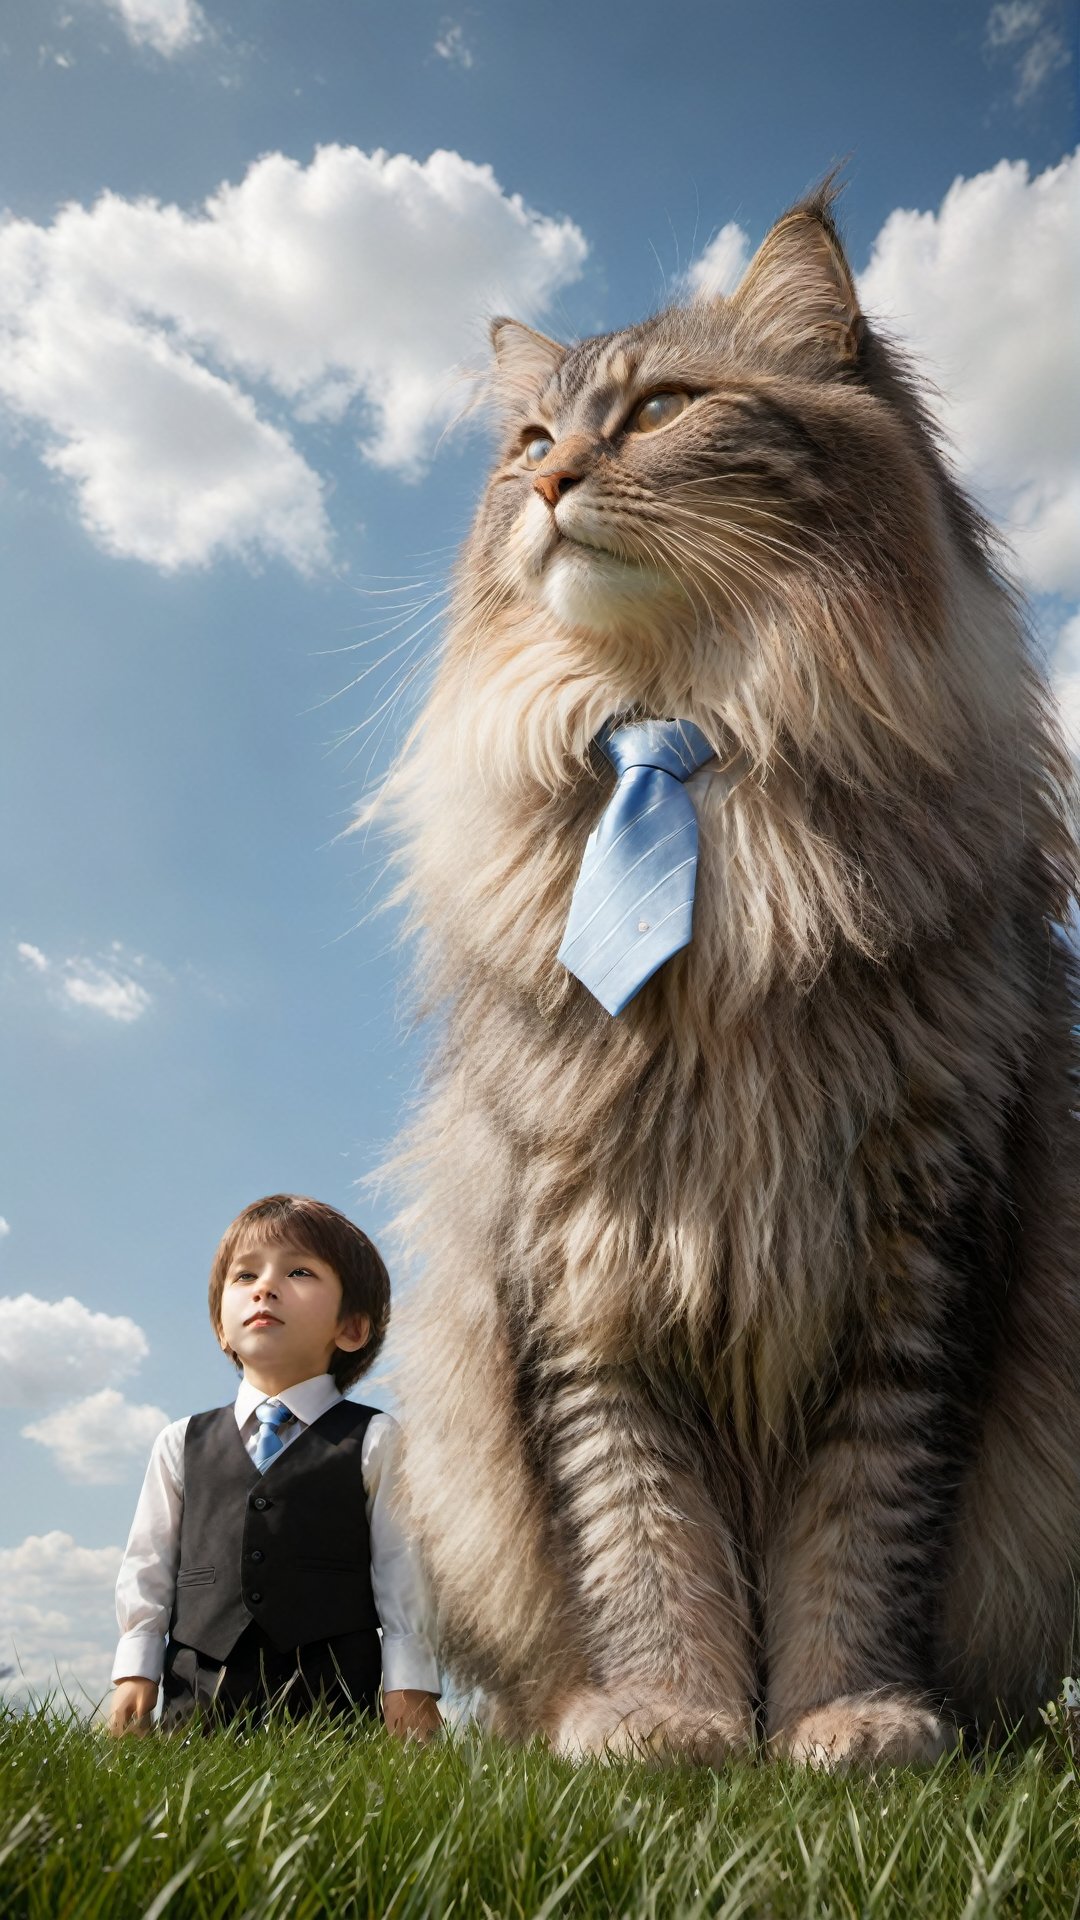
552	486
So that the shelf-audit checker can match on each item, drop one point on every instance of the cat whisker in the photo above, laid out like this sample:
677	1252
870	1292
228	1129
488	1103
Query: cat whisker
749	503
386	707
689	585
692	559
400	677
720	549
401	585
409	641
830	549
696	553
371	641
755	536
762	550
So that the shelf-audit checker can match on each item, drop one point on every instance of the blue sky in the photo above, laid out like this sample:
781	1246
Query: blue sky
223	461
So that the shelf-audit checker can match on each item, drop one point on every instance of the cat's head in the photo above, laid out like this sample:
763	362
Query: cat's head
734	510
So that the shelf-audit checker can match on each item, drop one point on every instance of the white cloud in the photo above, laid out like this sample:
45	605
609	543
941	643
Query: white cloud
101	1440
112	994
171	463
1026	30
1013	20
5	1228
352	288
57	1619
722	265
108	986
985	291
452	45
167	26
1065	666
51	1349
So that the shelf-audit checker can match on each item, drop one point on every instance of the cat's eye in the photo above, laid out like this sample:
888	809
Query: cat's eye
537	449
657	411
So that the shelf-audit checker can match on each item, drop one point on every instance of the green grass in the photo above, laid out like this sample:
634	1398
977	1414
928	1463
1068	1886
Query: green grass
311	1821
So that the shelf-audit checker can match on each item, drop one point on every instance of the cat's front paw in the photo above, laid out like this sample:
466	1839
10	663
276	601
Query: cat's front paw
626	1727
866	1730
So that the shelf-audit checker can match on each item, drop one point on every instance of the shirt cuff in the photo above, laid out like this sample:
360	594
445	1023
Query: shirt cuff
408	1663
139	1656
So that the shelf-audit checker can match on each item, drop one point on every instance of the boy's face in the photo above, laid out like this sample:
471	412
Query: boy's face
281	1315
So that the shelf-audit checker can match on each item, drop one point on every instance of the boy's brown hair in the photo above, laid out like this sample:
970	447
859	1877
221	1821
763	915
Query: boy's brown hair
313	1227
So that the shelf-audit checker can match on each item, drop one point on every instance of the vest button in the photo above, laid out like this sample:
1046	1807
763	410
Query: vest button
255	1598
256	1553
260	1501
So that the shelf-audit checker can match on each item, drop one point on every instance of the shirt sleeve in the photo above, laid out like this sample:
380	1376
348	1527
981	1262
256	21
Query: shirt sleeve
146	1583
397	1577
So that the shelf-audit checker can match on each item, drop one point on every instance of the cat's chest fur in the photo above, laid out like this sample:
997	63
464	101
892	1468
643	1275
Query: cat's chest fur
669	1164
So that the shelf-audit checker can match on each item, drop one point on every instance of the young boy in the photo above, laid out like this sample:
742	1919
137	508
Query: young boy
266	1543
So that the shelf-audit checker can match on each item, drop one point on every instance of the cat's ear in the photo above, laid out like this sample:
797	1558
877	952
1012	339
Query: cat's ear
524	361
799	293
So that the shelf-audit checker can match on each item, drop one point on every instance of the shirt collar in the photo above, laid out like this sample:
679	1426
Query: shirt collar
306	1401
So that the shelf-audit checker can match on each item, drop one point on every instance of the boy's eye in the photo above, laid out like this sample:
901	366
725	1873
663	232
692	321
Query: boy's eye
305	1273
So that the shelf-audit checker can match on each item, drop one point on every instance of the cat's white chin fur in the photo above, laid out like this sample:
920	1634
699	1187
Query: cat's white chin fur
587	588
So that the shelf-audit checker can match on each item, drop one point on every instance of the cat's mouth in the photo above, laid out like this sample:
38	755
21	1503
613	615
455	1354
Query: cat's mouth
580	546
569	546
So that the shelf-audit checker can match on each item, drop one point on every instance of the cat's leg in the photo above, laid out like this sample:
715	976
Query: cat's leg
853	1572
639	1484
1010	1611
479	1513
1011	1603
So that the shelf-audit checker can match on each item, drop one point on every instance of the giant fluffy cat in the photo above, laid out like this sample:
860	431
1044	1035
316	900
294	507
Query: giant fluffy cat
742	1379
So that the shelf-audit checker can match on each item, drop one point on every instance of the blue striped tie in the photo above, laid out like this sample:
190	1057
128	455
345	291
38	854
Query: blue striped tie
633	904
270	1415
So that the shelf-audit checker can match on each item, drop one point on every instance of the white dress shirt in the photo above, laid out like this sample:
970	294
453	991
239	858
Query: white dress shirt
146	1584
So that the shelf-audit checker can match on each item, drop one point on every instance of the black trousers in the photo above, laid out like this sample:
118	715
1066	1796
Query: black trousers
344	1674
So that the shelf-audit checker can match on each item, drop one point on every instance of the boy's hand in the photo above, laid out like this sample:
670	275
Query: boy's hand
132	1705
410	1714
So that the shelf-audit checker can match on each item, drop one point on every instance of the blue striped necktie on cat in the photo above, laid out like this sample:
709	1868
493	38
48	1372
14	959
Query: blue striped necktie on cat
633	903
271	1416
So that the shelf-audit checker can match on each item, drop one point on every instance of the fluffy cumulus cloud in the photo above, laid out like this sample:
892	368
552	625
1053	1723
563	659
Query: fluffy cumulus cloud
167	26
109	986
52	1349
985	290
169	359
100	1440
721	266
5	1228
57	1624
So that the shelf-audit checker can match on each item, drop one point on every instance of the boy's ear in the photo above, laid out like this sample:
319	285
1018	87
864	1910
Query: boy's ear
353	1333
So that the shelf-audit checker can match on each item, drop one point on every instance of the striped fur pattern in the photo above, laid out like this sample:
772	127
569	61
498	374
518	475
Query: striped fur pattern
742	1371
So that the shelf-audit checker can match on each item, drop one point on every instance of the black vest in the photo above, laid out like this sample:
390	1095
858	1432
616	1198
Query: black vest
287	1548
